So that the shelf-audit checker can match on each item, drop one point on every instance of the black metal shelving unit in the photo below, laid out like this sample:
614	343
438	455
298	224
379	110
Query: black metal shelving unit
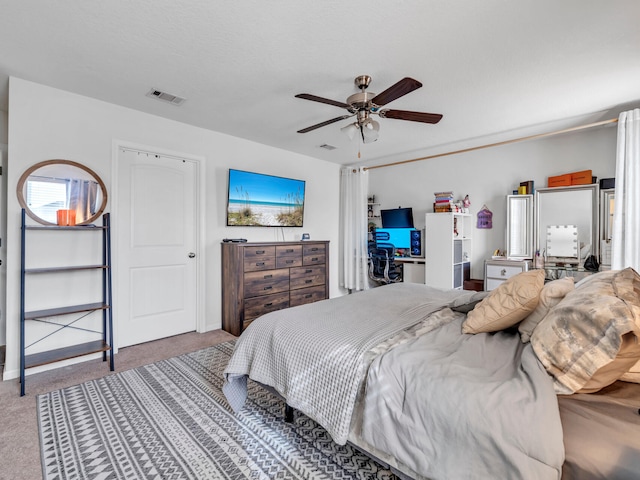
105	343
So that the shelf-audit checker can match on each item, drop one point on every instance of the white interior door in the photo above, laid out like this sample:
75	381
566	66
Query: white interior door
157	265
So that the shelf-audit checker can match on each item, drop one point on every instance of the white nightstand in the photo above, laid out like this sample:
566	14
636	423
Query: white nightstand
498	271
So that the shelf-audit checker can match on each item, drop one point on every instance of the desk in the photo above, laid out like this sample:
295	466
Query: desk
553	272
413	269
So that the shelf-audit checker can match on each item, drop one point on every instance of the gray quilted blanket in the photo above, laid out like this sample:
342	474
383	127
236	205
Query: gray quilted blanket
459	406
315	355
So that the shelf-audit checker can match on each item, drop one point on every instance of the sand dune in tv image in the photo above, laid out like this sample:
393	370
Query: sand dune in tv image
264	200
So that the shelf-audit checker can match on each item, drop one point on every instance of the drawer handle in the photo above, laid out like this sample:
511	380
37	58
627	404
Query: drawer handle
269	287
308	281
268	304
314	249
259	264
314	259
289	261
308	270
308	295
259	252
289	250
268	276
503	272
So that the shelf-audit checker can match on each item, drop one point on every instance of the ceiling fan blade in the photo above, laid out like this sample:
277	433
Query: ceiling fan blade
411	116
404	86
315	98
324	124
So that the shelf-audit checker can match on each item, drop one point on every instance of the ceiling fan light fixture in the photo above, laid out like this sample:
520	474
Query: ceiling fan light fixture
372	125
370	131
369	135
350	130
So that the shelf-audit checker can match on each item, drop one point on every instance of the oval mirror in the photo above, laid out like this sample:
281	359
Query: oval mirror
54	185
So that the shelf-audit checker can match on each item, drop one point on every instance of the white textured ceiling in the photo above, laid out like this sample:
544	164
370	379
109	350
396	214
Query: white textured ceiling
494	68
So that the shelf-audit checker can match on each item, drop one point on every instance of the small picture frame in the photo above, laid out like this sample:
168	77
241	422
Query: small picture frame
306	236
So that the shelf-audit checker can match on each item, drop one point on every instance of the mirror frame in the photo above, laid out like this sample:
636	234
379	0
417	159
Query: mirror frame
522	228
607	198
33	168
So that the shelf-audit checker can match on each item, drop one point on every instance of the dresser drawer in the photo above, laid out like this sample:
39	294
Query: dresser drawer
259	258
289	256
302	277
257	264
503	271
314	254
257	306
307	295
492	284
266	282
259	252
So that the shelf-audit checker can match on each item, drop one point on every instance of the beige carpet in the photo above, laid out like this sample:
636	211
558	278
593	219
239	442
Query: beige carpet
19	444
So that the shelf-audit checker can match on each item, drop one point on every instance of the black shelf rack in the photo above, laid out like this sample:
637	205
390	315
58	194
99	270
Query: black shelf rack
105	343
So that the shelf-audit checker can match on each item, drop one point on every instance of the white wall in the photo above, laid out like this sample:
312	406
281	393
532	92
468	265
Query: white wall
4	147
47	123
488	175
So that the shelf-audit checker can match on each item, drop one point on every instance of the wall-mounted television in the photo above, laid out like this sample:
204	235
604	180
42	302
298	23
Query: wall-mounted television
260	200
397	218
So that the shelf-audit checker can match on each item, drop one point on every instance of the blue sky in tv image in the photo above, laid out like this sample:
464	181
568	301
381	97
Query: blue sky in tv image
262	189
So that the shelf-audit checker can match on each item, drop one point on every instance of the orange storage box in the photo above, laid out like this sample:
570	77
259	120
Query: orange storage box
582	178
559	180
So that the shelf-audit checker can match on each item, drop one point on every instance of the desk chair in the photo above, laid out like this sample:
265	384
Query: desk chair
382	267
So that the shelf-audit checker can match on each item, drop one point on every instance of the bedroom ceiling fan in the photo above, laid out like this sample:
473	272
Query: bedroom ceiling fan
364	104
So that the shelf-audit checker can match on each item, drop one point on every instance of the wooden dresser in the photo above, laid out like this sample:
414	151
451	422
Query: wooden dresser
258	278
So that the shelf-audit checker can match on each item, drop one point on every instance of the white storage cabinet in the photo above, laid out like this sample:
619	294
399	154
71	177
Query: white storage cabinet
447	249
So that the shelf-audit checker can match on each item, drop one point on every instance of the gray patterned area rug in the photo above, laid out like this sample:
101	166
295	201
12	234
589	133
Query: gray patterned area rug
170	420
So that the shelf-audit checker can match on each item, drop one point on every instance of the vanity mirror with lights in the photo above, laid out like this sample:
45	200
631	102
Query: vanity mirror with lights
75	268
53	185
563	224
567	224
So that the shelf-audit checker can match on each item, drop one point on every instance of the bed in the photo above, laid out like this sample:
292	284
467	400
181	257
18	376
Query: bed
445	384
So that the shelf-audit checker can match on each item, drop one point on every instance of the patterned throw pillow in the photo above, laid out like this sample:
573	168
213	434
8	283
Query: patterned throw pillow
550	296
591	338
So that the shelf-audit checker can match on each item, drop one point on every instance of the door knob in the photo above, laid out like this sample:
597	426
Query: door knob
192	255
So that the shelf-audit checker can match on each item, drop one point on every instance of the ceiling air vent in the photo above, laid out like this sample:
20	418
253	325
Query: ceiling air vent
165	97
326	146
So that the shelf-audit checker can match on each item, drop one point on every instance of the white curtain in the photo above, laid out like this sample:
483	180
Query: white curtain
625	249
354	186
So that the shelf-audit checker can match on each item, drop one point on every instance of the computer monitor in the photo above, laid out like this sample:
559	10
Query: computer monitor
398	237
397	218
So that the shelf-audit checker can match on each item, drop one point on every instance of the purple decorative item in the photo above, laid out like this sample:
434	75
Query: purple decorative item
485	217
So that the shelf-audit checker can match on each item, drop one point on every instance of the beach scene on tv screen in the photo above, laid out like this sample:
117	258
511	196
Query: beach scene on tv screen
264	200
